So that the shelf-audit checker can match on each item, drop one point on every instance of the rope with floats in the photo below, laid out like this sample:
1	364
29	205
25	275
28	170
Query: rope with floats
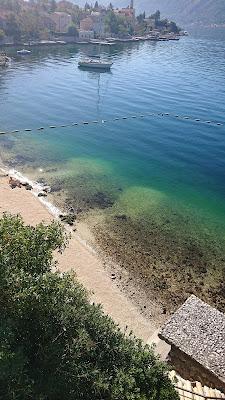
121	118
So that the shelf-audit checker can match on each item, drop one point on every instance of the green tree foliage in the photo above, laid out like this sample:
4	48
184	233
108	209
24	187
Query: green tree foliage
156	16
172	27
32	20
76	13
11	5
87	6
96	6
117	24
141	17
72	31
2	34
169	26
12	27
55	344
53	6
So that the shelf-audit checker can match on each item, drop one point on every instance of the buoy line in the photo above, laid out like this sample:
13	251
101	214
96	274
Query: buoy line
121	118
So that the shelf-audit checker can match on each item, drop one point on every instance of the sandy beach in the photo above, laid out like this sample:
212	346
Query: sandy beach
91	271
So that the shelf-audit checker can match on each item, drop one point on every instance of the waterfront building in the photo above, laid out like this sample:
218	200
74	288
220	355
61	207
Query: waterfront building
86	24
95	23
86	35
62	21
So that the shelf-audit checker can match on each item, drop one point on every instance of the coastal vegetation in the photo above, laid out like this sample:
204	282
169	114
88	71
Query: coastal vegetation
205	12
55	344
30	20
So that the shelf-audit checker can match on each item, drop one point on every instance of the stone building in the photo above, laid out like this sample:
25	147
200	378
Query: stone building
86	24
196	334
95	23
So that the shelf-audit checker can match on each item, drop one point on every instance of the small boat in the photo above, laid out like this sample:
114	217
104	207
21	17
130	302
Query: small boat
174	38
23	52
102	42
95	63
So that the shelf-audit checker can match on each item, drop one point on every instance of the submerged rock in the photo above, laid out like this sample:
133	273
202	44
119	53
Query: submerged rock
56	187
122	217
68	219
101	200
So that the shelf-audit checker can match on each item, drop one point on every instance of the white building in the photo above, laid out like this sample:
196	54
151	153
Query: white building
86	35
62	21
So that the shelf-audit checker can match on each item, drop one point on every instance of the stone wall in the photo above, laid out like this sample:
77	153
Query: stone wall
191	370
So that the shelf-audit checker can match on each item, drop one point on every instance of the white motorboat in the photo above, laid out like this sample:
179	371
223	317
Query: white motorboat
23	52
95	63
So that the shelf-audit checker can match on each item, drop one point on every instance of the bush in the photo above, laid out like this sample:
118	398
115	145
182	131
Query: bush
2	34
54	344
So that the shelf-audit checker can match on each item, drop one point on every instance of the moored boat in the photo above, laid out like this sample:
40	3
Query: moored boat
23	52
95	63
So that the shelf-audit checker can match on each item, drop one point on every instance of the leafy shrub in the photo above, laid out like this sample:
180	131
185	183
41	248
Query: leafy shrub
55	344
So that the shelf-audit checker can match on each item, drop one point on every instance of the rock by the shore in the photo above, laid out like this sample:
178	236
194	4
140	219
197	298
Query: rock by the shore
14	183
122	217
68	219
41	194
47	189
28	187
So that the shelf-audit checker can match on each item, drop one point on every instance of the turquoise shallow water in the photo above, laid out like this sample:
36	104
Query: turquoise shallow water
154	169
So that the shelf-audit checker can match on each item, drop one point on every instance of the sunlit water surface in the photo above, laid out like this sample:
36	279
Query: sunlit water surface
159	171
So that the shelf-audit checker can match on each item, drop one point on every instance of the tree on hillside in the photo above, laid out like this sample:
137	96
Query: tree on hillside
2	34
87	6
141	17
156	16
73	31
53	6
55	344
117	24
172	27
13	27
11	5
111	22
76	13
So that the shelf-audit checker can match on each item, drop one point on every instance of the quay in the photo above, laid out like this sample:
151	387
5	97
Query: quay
103	42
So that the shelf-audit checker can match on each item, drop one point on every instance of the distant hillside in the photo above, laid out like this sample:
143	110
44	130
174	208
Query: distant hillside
188	11
183	11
